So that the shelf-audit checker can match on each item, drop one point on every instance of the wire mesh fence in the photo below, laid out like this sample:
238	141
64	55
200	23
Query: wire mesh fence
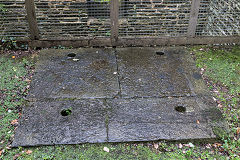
13	19
223	18
73	19
154	18
89	19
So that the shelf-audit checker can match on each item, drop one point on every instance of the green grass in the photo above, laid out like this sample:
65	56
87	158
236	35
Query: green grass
220	68
13	87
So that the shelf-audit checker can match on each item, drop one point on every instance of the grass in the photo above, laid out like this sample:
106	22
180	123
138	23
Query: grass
220	68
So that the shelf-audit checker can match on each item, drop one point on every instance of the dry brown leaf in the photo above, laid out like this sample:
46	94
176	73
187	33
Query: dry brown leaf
238	130
28	151
14	122
217	145
198	122
16	156
27	80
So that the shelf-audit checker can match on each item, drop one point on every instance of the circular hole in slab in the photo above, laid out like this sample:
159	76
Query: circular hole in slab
66	112
160	53
181	109
71	55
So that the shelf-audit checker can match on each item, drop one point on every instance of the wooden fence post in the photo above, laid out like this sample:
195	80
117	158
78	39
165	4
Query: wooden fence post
32	20
114	13
192	26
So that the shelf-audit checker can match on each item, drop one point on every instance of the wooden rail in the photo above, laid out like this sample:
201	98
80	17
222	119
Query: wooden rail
130	42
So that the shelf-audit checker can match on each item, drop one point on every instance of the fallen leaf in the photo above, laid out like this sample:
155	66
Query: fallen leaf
14	122
8	147
28	151
27	80
191	145
106	149
217	145
208	146
238	130
155	145
16	156
220	105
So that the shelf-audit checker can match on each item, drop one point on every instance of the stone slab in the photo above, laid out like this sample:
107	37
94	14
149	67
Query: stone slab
143	73
149	119
90	74
121	95
43	124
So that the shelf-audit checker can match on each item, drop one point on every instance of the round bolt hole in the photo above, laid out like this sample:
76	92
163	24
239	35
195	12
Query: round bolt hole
160	53
71	55
181	109
66	112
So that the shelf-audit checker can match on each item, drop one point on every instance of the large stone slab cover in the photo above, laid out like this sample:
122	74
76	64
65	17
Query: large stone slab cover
94	95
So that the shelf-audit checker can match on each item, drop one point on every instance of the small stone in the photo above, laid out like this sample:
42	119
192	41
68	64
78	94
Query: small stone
155	145
106	149
114	72
75	59
180	145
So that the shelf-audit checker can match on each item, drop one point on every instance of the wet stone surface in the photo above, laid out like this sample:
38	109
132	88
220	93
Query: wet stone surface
88	74
149	72
43	124
106	95
157	118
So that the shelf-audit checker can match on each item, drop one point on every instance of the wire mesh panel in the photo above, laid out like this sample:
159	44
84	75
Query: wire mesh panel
223	18
154	18
67	19
13	19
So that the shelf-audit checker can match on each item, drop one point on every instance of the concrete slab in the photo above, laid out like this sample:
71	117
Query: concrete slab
89	74
121	95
